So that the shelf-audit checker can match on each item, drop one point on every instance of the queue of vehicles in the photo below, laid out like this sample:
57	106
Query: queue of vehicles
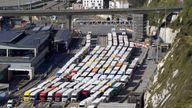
90	77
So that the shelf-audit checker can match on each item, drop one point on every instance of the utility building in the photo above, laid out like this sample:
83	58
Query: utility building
94	4
24	52
62	40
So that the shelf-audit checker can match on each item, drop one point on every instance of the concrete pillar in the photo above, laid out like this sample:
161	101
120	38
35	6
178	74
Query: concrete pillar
66	45
35	52
31	74
7	52
68	21
57	47
10	75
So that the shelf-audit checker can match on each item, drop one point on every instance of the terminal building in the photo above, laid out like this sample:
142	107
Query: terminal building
62	40
95	4
25	51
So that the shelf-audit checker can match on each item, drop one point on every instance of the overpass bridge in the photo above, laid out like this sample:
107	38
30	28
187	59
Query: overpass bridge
69	13
86	12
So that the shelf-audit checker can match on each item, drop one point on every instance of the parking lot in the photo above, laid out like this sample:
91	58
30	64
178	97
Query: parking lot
131	84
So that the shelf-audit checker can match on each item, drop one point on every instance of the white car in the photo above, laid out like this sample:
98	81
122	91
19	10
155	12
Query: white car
10	103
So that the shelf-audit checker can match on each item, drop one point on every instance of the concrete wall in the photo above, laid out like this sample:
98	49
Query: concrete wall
39	58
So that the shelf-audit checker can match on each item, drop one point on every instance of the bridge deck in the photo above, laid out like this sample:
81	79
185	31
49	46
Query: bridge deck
85	12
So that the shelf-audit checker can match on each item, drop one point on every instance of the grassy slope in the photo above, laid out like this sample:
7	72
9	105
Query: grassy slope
162	3
181	59
181	92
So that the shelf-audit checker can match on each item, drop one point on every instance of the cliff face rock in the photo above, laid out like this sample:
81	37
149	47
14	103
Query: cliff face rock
172	87
148	2
168	35
151	30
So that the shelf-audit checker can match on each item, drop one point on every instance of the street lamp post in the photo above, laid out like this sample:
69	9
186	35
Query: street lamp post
30	4
165	22
157	56
18	3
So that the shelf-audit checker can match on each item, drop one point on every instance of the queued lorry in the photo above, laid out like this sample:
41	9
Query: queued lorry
43	94
98	78
96	102
58	95
26	96
86	102
35	94
50	96
66	96
109	93
75	96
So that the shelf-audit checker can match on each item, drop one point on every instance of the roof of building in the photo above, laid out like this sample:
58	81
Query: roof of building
3	67
33	40
62	36
22	40
8	36
46	28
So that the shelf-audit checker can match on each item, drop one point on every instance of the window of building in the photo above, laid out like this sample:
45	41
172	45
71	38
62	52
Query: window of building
21	53
2	52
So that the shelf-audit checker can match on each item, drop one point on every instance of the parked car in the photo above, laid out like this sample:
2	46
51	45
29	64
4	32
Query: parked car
11	103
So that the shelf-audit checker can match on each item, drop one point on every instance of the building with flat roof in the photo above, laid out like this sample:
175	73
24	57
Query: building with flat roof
24	52
93	4
115	4
62	40
77	6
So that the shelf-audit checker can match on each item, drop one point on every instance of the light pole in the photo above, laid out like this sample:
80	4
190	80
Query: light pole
165	22
157	56
18	3
30	4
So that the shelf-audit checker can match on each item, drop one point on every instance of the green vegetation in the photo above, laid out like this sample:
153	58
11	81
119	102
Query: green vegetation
184	22
155	18
137	3
180	59
181	92
165	3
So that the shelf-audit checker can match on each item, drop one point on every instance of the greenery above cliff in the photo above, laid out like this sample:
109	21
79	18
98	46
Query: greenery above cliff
137	3
163	3
184	21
